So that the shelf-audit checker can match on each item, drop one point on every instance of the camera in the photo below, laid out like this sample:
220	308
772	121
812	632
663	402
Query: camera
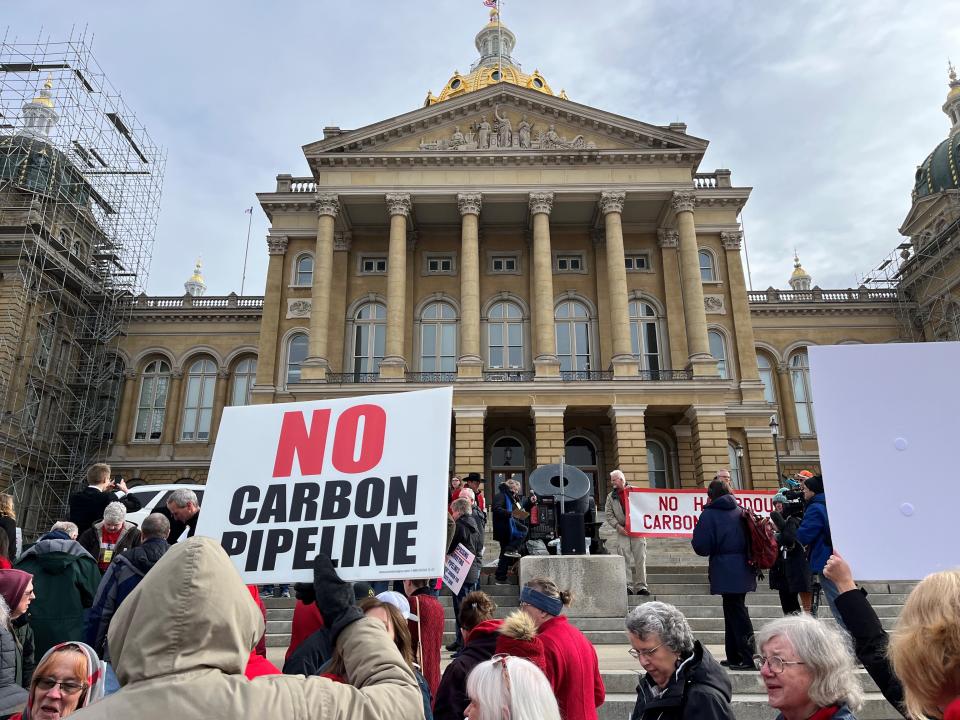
795	503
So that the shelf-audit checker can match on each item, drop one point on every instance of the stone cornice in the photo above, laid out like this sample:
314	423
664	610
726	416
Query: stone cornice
823	309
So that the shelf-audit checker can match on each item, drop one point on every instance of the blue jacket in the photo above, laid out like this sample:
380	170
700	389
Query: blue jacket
814	532
720	534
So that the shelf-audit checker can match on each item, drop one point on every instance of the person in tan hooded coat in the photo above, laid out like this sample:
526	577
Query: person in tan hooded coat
181	639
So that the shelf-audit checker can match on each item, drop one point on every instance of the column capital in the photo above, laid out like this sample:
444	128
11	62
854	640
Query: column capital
469	203
731	240
470	411
667	238
342	240
761	433
683	201
545	411
223	373
541	202
612	201
131	375
783	368
328	204
616	411
398	204
176	374
277	244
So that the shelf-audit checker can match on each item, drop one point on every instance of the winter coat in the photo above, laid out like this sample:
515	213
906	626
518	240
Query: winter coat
699	690
65	579
720	534
572	669
26	658
9	526
842	713
428	629
502	514
90	539
119	581
791	571
814	532
870	644
450	702
182	638
306	621
87	505
13	696
469	532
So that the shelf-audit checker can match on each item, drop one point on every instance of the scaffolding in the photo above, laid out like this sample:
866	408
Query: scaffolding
925	273
80	184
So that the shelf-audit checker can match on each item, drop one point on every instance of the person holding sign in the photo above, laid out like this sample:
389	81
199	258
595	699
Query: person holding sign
633	550
181	640
469	534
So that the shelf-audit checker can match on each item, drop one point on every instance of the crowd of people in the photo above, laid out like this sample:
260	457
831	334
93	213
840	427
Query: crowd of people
117	619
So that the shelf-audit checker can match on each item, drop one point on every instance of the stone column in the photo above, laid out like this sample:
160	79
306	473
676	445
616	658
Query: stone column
694	314
548	433
219	402
131	387
545	360
317	364
468	439
709	435
763	461
630	442
172	411
394	364
469	364
266	382
751	389
623	361
667	241
789	424
338	300
684	436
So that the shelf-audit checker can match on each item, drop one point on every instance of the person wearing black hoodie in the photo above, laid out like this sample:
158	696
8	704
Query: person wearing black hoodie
468	533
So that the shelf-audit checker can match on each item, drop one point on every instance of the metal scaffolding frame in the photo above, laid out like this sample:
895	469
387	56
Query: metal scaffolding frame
79	202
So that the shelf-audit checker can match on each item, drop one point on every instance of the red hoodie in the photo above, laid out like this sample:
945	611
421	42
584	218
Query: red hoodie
571	662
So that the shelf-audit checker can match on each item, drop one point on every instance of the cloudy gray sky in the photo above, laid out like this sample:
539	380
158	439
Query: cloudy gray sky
825	107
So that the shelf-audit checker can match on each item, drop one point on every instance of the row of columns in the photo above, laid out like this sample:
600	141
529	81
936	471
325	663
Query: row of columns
688	342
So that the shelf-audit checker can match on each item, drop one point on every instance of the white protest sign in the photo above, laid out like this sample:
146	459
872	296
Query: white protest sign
361	479
887	427
674	513
457	568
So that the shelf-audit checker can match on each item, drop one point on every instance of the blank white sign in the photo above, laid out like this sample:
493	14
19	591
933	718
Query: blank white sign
888	429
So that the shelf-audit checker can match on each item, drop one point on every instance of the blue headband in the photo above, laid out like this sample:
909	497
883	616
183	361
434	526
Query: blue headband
550	605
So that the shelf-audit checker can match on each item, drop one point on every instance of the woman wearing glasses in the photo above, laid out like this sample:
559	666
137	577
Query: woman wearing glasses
69	677
807	668
510	688
683	680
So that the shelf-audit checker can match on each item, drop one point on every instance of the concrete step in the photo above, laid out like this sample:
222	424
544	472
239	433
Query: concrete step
747	706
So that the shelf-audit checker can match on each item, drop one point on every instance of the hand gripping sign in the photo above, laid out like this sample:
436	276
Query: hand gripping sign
674	513
361	479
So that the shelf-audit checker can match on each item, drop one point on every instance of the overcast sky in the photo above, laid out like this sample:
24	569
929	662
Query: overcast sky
824	107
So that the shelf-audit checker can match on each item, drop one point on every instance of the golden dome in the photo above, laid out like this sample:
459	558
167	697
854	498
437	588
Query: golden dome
954	83
798	271
197	276
495	42
44	97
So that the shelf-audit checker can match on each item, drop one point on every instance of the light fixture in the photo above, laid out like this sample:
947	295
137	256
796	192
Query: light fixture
739	451
507	455
774	426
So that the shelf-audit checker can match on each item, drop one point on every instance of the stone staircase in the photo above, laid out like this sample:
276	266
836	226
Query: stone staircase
676	576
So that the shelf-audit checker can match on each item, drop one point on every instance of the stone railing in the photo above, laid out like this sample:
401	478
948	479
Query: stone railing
290	184
180	302
771	296
716	179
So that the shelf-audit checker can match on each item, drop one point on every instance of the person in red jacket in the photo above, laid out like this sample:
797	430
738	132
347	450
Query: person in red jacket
257	663
426	631
570	660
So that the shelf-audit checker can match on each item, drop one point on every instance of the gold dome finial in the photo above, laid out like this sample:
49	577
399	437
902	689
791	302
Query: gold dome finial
197	274
951	72
43	97
800	279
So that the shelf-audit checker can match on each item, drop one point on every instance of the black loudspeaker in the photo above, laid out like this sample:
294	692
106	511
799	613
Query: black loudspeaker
572	536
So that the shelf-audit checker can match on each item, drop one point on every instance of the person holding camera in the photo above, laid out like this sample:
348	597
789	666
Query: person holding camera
790	574
87	505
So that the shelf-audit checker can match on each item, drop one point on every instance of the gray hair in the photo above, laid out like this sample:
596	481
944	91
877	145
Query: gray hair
461	505
156	525
68	527
468	494
183	497
115	512
618	474
828	656
664	621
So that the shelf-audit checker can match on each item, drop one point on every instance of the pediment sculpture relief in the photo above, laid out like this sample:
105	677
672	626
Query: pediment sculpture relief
501	135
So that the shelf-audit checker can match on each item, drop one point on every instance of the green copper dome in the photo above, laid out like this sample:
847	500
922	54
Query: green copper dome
36	166
939	171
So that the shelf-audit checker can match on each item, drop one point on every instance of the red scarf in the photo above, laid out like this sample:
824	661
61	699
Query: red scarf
825	713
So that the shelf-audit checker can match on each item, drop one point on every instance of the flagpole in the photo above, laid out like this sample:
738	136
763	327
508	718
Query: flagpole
246	251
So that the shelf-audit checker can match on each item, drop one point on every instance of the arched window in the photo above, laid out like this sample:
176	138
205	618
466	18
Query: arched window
438	338
154	384
736	473
572	321
645	335
297	350
767	377
800	379
198	406
508	460
718	348
304	271
244	375
505	336
656	464
708	270
369	337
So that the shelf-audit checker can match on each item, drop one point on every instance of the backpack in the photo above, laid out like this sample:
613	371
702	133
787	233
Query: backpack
761	541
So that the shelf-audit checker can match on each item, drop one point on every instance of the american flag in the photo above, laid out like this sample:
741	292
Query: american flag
490	3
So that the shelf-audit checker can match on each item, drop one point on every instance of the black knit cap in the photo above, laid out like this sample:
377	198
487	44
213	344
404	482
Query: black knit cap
814	484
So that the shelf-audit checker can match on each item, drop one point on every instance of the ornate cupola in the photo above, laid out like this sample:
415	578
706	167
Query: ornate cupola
941	169
195	285
799	279
39	115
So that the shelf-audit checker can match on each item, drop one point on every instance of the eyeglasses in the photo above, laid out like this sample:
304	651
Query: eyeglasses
67	687
776	663
637	654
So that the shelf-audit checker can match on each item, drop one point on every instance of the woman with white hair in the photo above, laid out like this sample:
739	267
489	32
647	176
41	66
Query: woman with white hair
108	538
510	688
683	680
808	670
